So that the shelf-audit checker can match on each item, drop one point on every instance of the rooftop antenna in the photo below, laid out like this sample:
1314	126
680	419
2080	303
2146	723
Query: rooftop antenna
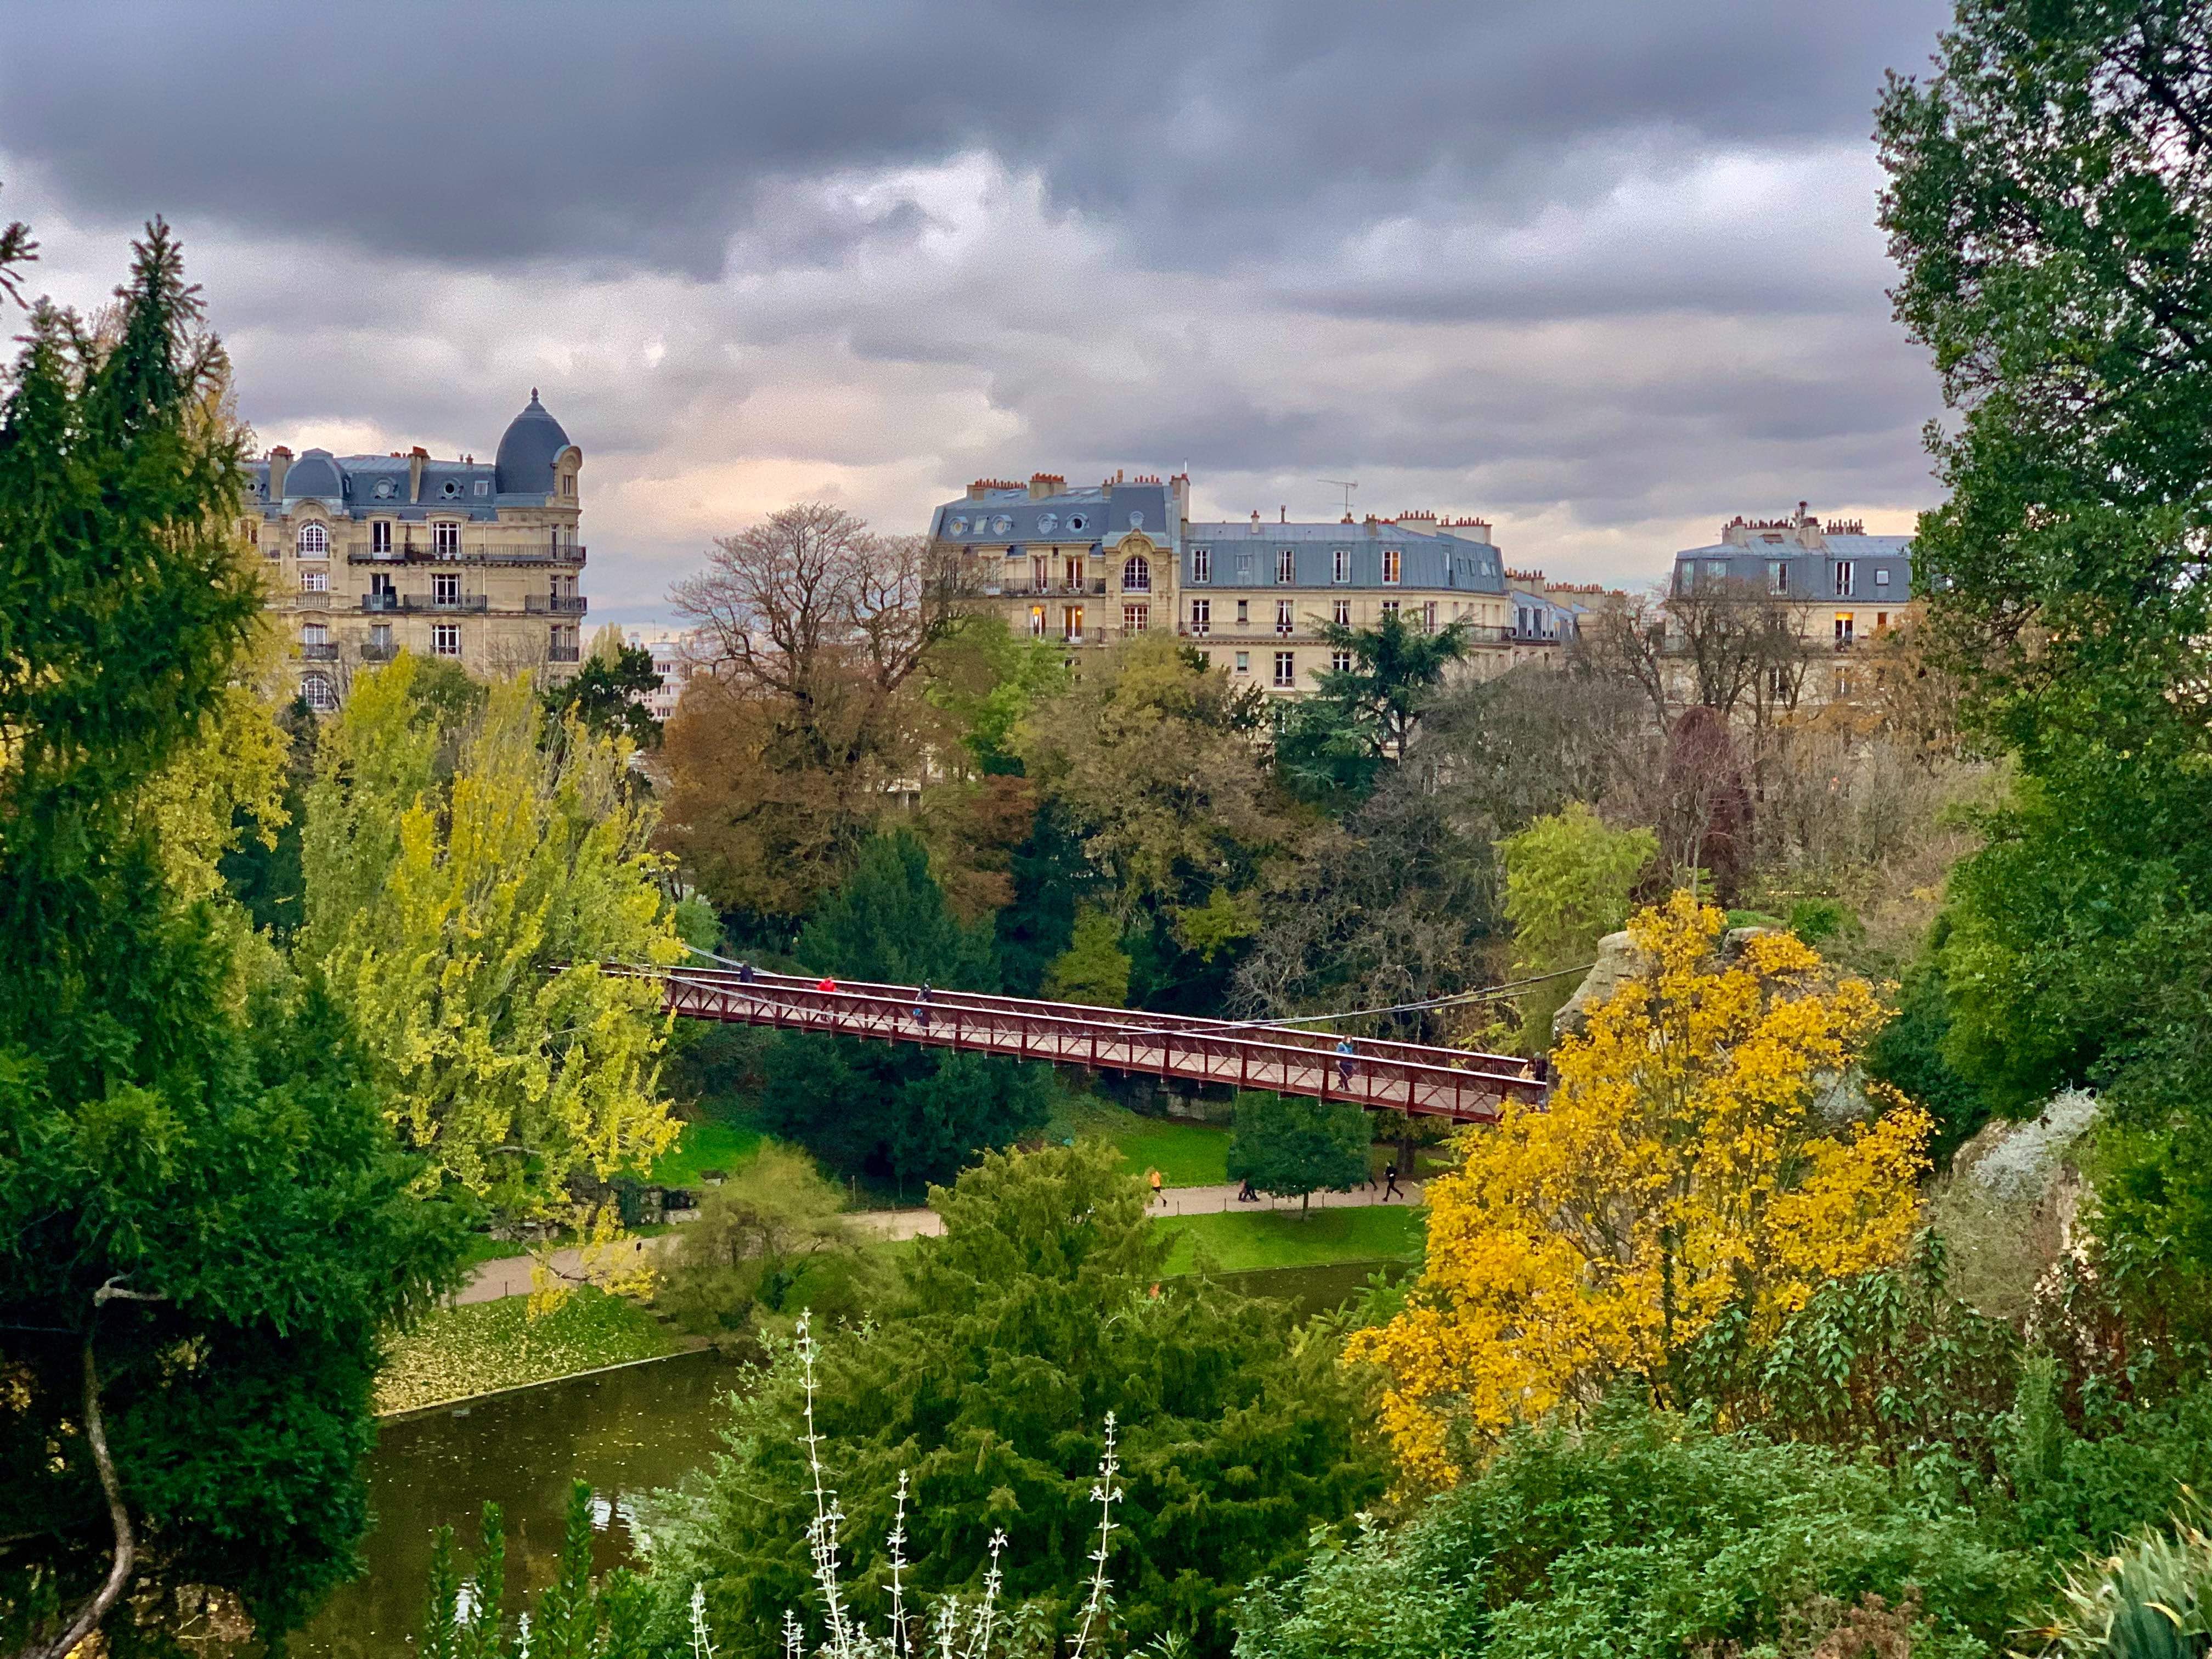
1348	485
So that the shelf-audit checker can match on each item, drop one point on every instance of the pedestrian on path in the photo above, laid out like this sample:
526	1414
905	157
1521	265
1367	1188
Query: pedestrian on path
1345	1055
1245	1194
1158	1197
1390	1182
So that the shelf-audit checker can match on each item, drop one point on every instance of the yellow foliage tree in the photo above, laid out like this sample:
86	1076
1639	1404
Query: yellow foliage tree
436	911
1682	1167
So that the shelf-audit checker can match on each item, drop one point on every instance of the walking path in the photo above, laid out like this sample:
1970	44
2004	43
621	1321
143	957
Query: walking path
510	1276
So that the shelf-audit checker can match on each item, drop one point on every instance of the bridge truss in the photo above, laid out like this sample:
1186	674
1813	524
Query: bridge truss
1460	1084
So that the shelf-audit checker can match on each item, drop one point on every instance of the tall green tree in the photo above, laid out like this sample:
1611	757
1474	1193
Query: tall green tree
1294	1146
1568	881
461	921
203	1224
2049	190
607	695
1362	717
895	1110
988	1382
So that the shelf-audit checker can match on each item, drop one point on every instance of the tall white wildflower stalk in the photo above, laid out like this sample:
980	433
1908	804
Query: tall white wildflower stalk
1103	1494
702	1641
822	1534
979	1641
897	1544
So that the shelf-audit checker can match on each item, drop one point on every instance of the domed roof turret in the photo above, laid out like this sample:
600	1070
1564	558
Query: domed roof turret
526	453
317	472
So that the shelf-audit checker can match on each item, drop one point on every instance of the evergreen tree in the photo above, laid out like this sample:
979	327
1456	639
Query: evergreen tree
895	1109
607	695
1376	702
203	1224
1040	1310
1294	1146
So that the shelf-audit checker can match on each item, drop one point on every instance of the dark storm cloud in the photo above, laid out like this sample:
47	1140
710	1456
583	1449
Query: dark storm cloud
1219	134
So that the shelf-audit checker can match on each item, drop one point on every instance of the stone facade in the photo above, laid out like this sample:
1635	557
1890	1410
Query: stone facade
1088	566
474	562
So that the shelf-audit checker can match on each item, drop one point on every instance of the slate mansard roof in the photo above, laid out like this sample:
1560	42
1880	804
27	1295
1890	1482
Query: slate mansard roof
364	486
1811	571
1010	518
1427	558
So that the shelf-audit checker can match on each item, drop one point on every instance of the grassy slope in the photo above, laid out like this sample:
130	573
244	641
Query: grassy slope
1186	1154
457	1351
703	1146
1280	1238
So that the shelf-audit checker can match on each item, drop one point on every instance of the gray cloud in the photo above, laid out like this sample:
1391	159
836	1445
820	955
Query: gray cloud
1603	269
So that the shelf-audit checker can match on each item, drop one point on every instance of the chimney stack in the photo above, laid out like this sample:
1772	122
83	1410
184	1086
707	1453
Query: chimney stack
279	462
416	456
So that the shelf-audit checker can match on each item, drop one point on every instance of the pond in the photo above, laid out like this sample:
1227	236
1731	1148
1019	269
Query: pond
623	1431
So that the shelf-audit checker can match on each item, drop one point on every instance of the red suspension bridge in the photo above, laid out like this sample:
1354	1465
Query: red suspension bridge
1408	1077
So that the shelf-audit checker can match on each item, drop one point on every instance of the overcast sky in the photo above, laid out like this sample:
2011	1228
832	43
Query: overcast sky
1604	271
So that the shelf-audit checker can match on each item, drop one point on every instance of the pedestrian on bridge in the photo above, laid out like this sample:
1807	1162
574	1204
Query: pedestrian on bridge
1346	1055
921	1007
825	983
744	973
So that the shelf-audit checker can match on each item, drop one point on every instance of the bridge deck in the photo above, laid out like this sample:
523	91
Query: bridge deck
1406	1077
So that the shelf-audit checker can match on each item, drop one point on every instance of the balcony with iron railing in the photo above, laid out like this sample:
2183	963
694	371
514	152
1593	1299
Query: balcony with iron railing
318	651
375	651
521	553
411	602
558	604
1093	588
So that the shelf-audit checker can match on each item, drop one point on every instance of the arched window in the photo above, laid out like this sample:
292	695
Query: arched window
1137	574
320	694
314	542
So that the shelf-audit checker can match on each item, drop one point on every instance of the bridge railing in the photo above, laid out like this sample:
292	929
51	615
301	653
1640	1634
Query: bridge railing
1403	1077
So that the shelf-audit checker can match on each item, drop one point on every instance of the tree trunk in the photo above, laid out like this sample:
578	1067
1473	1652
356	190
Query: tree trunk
126	1545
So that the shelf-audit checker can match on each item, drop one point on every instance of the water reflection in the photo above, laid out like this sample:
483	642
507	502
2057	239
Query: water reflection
624	1431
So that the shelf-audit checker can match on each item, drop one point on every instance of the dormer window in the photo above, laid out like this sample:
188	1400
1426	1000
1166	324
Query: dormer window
567	484
451	487
1340	565
1286	565
483	487
1201	564
1390	564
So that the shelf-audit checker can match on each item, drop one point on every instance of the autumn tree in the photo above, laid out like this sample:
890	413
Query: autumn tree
782	755
1704	808
1687	1165
461	921
1569	877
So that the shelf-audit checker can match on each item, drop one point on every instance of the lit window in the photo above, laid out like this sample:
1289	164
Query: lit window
445	639
319	695
1137	574
1341	613
314	581
1282	622
1136	618
1201	617
1844	621
1286	668
1071	624
1286	566
314	542
446	539
1390	564
1845	572
1340	568
1201	564
1036	621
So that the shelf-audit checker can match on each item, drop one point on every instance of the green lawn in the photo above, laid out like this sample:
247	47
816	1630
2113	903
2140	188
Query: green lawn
1280	1238
1186	1154
459	1351
703	1146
